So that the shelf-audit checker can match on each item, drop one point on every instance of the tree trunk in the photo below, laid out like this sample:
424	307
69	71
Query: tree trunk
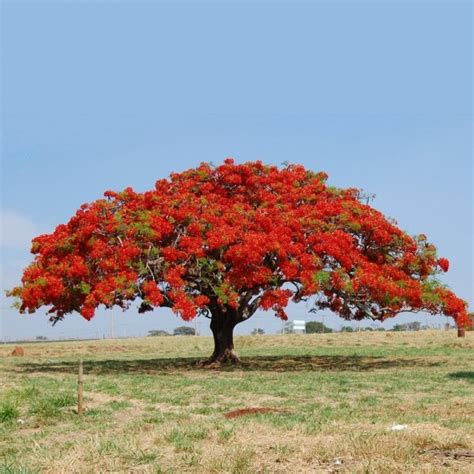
222	327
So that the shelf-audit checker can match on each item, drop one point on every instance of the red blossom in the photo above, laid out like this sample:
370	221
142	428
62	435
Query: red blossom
443	264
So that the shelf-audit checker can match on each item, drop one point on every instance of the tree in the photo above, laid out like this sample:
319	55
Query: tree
258	331
399	327
413	326
347	329
226	241
158	332
184	331
316	327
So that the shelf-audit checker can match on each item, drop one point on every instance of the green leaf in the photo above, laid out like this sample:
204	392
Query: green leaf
220	294
41	281
85	288
322	277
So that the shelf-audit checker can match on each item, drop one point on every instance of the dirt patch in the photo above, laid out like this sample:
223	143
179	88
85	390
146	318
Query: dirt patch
252	411
450	454
18	352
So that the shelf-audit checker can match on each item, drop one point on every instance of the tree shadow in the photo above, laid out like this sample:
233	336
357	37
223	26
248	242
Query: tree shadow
249	364
466	375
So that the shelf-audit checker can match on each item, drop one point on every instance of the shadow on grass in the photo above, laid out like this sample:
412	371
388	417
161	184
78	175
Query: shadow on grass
466	375
249	364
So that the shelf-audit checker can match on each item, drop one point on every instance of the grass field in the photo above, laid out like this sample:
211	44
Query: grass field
151	409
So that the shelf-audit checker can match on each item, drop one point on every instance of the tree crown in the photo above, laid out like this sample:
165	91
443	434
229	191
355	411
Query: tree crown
237	238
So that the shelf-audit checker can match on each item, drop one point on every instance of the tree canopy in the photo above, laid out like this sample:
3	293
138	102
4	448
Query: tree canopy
317	327
184	331
231	239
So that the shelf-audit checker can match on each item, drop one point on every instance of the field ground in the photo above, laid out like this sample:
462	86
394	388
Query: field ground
151	409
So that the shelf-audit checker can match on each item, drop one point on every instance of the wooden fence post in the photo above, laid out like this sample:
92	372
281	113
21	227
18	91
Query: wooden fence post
80	384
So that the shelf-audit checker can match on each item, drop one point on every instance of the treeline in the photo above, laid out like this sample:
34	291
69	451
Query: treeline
318	327
312	327
179	331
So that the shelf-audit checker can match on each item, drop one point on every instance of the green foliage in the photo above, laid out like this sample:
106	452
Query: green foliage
220	292
429	294
317	327
413	326
50	406
347	329
322	277
142	269
8	412
184	331
143	229
158	332
348	287
85	288
41	281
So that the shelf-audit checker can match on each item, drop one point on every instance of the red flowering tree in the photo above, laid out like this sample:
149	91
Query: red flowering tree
225	241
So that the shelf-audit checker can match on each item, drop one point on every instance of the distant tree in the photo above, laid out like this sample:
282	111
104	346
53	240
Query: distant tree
158	332
257	331
347	329
367	328
41	338
184	331
413	326
316	327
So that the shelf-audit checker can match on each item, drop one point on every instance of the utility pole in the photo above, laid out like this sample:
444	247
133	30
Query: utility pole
112	329
196	327
80	385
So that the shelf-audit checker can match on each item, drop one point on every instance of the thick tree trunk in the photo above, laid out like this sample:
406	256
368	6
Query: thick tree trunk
222	327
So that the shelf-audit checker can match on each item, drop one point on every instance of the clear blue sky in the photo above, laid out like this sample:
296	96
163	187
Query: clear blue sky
103	95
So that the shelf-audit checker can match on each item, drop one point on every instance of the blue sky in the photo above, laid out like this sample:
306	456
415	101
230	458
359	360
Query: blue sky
100	96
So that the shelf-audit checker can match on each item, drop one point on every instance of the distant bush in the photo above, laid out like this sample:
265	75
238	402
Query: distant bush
414	326
184	331
158	332
316	327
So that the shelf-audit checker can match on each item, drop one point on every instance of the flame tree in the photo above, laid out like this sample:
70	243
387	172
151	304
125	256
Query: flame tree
226	241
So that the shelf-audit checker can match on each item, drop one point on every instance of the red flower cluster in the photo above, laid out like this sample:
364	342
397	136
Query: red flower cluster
152	293
239	237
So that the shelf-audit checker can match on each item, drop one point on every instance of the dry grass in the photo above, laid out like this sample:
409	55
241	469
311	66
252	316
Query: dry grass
151	409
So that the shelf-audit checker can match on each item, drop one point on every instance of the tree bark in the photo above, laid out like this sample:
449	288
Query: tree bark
222	327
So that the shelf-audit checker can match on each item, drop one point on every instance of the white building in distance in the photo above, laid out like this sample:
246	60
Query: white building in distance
296	326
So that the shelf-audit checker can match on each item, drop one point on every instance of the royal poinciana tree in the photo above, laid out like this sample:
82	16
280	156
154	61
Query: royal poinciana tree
226	241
